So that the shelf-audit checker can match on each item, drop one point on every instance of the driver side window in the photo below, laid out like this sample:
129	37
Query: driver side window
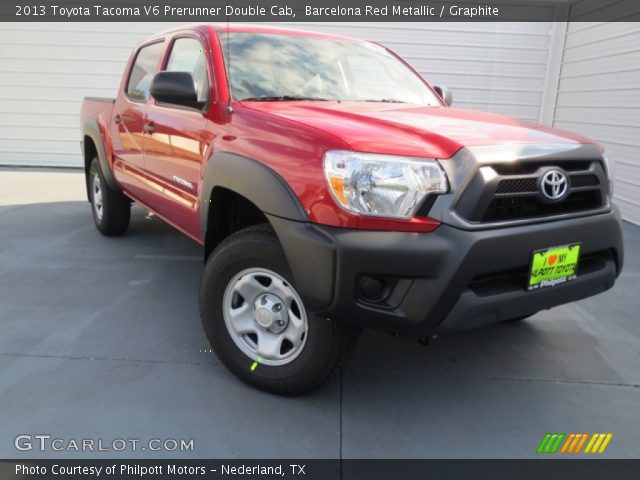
143	70
187	55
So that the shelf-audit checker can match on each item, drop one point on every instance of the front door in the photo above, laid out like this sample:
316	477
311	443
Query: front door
177	139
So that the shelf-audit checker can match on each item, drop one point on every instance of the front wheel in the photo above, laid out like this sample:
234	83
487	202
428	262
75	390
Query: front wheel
256	321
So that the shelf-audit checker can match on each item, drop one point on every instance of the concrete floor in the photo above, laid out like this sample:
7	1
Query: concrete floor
100	338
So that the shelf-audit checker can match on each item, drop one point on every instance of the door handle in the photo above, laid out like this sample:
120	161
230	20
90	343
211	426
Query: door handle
117	119
149	127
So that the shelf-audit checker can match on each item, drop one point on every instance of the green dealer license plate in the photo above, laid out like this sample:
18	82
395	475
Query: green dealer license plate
553	266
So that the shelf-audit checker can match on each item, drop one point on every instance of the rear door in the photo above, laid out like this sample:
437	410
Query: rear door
177	138
128	119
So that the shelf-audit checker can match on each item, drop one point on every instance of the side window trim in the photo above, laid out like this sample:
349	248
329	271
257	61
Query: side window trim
133	64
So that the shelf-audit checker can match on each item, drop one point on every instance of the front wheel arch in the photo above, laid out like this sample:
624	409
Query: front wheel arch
252	180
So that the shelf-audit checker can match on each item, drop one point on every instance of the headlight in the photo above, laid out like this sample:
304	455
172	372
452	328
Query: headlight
382	185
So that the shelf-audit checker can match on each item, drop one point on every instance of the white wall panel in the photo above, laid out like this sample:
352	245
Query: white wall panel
46	69
599	96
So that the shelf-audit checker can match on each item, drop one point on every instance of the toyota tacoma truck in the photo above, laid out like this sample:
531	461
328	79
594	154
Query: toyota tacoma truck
334	189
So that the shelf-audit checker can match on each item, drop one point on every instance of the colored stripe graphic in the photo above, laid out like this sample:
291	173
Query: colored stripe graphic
576	443
543	443
581	443
557	443
596	446
567	443
598	443
605	443
565	447
550	442
573	443
593	439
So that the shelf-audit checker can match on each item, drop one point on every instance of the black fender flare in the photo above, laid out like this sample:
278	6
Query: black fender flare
253	180
309	252
91	129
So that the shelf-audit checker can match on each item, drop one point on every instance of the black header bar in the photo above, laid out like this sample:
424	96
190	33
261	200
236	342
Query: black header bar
298	469
320	11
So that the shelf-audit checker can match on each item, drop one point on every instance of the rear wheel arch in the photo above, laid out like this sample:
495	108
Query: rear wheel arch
89	152
92	146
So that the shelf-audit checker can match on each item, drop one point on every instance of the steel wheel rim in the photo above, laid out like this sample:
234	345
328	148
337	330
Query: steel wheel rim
97	196
267	334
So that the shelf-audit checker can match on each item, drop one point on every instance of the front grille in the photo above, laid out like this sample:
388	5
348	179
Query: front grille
524	207
519	185
584	180
503	192
527	168
530	184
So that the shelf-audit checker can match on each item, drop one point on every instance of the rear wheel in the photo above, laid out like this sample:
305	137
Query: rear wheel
111	209
256	321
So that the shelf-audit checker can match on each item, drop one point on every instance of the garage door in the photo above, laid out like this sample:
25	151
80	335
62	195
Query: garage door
47	68
599	96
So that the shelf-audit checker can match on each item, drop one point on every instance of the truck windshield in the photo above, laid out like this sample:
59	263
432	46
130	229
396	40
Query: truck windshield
268	67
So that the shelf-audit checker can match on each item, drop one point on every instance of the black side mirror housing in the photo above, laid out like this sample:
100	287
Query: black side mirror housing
445	94
175	88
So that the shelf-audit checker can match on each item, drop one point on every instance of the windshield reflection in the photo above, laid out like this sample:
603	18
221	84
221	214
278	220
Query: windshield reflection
296	67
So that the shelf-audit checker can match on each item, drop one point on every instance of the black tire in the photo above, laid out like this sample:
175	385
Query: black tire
115	207
327	342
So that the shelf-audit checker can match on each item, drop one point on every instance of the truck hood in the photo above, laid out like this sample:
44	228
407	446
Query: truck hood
403	129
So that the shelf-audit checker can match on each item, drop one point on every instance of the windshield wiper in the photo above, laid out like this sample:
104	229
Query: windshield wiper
281	98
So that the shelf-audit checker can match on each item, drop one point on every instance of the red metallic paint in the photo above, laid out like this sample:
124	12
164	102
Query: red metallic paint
288	137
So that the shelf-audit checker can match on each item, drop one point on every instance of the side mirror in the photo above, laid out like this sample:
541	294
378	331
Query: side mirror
445	94
176	88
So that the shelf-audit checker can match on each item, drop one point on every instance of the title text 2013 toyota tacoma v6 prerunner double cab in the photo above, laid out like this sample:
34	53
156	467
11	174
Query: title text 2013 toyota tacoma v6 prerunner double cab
334	189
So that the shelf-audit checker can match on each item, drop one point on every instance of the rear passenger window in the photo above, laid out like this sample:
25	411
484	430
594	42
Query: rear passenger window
144	68
187	55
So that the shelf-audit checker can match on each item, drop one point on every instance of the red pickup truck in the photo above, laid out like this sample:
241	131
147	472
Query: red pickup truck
334	189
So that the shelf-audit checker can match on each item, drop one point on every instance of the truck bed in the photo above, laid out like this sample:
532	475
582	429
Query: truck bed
98	109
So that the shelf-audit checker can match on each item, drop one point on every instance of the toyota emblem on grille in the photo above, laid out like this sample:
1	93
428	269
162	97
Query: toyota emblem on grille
554	185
